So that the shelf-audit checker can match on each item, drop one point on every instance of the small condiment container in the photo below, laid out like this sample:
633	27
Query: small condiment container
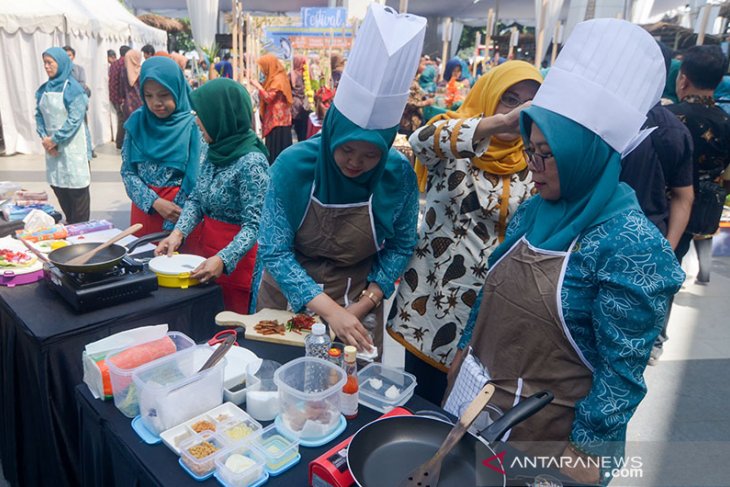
198	453
231	474
334	355
278	450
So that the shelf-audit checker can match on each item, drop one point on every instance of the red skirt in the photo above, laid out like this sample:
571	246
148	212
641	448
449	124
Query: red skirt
153	222
212	236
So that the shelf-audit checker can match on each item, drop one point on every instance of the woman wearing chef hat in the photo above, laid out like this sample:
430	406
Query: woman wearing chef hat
578	290
342	207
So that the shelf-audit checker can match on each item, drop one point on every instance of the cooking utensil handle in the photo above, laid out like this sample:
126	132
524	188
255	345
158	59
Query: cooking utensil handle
229	318
35	251
465	421
516	415
85	257
219	353
152	237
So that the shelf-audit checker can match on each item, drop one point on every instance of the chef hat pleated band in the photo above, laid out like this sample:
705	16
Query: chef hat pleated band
374	87
608	76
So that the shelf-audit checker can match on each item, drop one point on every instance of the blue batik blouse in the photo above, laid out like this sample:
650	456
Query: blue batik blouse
277	239
232	194
615	295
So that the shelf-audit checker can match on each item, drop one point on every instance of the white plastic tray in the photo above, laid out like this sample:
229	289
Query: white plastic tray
173	437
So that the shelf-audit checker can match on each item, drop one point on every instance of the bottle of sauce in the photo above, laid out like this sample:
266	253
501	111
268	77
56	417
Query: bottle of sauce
335	356
349	396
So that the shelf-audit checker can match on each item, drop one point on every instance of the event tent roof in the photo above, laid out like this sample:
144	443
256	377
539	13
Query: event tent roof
108	19
523	10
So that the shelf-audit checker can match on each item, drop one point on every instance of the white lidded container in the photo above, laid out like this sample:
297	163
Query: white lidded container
123	390
309	397
375	380
171	390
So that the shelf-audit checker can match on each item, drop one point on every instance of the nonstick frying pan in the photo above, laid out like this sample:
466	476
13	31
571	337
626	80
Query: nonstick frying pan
106	259
384	452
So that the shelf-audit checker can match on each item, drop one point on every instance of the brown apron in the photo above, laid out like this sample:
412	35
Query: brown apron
522	341
335	244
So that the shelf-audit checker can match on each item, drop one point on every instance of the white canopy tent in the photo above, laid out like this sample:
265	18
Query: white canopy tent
91	27
470	12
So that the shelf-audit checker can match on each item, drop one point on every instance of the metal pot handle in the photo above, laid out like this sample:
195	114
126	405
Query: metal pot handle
516	415
147	239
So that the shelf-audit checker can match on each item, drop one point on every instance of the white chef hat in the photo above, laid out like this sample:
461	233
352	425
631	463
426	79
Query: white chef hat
374	87
608	76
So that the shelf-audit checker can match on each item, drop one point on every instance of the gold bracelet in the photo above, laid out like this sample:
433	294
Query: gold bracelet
371	296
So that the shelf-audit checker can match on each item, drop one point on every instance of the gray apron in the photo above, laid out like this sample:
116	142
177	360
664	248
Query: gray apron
336	245
522	345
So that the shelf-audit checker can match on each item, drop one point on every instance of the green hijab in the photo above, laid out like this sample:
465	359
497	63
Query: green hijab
224	108
311	162
590	191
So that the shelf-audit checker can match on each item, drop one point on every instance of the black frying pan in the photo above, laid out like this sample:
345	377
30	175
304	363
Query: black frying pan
384	452
105	259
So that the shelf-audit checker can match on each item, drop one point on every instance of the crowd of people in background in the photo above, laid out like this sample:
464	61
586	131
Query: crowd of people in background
524	199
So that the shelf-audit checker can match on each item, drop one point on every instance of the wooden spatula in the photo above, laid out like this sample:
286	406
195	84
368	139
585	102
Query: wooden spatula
85	257
428	474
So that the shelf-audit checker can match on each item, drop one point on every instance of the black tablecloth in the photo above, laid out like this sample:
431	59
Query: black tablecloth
113	455
41	340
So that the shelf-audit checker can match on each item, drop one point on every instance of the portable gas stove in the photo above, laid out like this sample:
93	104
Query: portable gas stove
127	281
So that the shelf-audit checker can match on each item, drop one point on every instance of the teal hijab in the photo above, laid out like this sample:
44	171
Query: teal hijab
224	108
312	163
590	191
670	88
174	141
427	79
56	84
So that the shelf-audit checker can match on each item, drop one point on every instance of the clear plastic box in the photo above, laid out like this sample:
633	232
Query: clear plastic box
125	395
200	451
277	449
228	420
309	397
374	397
171	390
243	478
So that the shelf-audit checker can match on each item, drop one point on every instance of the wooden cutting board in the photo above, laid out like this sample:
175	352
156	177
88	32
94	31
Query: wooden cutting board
248	322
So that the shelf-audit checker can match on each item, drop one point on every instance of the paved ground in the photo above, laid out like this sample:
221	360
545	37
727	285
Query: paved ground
681	430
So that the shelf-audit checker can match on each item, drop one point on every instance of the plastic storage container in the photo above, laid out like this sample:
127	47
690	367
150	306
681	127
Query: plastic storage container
262	396
279	451
228	420
376	380
309	397
199	453
234	476
171	390
125	394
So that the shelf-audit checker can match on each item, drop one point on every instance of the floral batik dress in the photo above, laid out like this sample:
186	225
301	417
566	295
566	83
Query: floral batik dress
466	213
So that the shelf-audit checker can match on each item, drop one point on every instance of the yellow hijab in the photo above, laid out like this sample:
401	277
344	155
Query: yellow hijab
502	158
